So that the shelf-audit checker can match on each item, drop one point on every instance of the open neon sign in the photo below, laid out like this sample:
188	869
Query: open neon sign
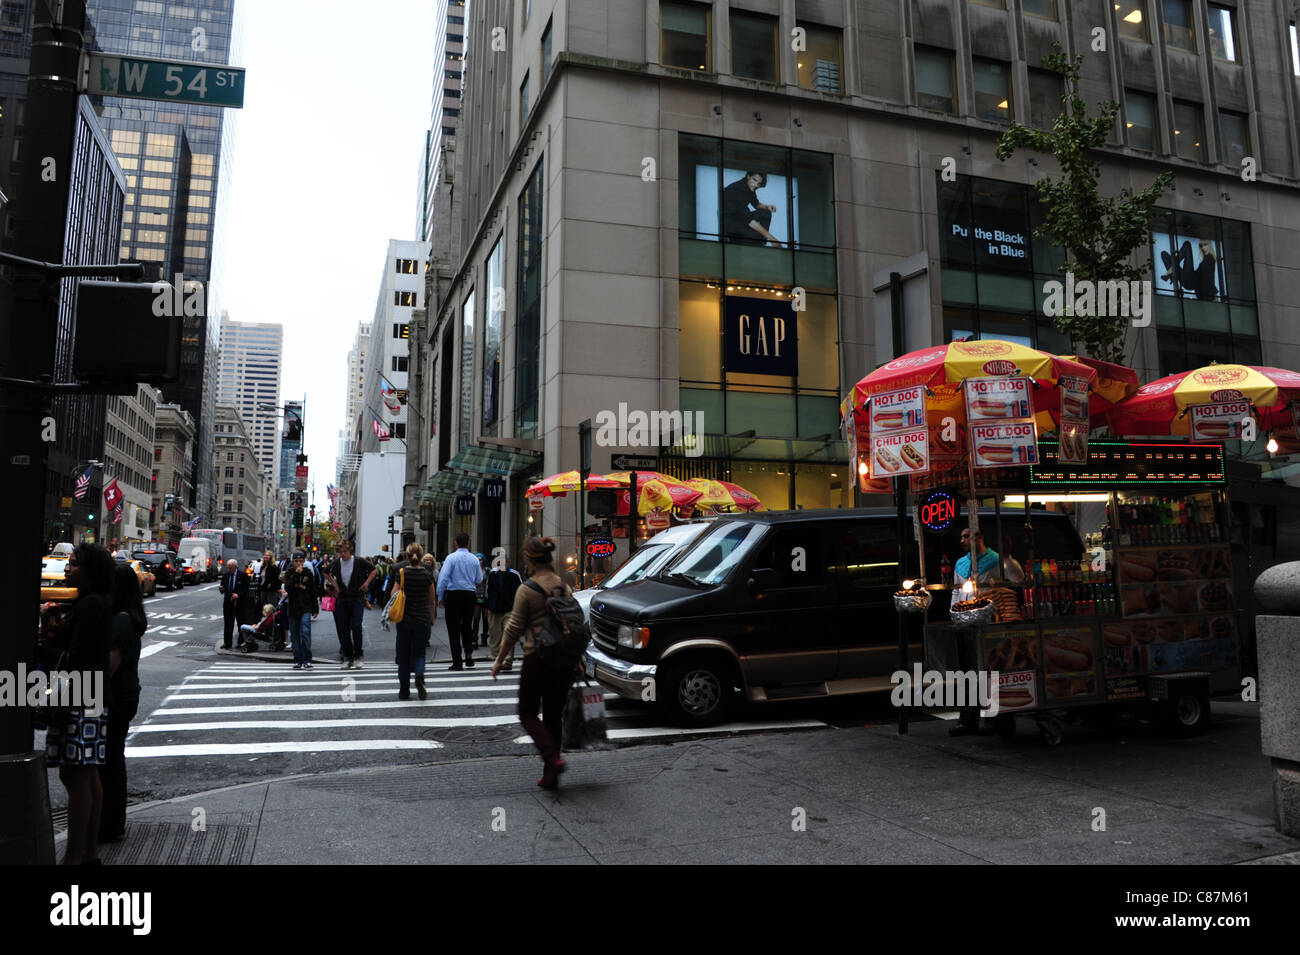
938	510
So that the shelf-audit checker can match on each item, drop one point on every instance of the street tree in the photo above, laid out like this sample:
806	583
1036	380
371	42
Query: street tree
1099	233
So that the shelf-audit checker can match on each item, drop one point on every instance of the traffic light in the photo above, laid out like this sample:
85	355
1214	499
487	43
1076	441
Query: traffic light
91	517
391	529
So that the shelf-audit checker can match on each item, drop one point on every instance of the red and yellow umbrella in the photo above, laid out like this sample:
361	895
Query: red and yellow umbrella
1160	408
557	485
680	494
723	496
1114	383
943	367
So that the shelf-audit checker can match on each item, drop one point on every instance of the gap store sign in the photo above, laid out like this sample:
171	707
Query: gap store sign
761	336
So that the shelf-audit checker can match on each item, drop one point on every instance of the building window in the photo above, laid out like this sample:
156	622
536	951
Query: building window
405	266
1234	137
241	489
494	308
753	46
225	505
685	36
239	506
1044	98
999	4
1223	34
523	102
819	64
546	53
1295	51
1203	275
241	472
230	455
1189	130
934	80
992	90
402	330
1180	31
399	363
467	370
1140	120
404	298
1041	8
1131	20
399	430
529	306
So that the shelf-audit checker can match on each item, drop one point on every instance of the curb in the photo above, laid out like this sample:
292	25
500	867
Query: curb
266	656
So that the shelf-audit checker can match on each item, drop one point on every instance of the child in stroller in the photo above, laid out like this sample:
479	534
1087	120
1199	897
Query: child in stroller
269	628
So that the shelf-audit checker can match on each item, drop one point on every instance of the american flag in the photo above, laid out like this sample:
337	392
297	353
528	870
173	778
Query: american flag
83	484
117	514
380	431
190	525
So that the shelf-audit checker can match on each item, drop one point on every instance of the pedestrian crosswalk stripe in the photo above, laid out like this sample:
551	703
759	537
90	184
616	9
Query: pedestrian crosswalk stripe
283	694
447	723
292	746
303	707
333	681
755	727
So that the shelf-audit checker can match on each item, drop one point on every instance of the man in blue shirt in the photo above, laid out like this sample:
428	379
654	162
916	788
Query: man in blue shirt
457	591
986	567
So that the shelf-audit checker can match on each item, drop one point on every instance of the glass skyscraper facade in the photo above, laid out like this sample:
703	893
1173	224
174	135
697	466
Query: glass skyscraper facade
171	155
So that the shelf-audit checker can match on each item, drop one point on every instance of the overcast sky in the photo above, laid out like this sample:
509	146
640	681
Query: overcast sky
325	170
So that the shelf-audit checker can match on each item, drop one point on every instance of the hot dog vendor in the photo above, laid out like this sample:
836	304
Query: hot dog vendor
987	567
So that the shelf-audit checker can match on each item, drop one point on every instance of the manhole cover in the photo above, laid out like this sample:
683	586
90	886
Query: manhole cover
199	645
475	734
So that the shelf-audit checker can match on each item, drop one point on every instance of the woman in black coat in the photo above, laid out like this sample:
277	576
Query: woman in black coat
129	625
78	742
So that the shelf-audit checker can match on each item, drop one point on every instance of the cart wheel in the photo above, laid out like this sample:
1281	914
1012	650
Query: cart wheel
1188	713
1051	732
1004	724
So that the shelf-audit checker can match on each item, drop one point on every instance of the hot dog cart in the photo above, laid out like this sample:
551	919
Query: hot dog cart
1146	619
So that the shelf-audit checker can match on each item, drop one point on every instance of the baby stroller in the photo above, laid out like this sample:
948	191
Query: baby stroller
272	628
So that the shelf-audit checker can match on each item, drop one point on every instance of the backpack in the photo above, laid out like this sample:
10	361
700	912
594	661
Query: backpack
564	636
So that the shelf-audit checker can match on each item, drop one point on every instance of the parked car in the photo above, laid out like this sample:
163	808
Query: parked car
164	564
54	586
148	583
778	605
648	558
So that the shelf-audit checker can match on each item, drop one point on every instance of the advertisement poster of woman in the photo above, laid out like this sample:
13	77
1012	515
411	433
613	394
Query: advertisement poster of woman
1188	271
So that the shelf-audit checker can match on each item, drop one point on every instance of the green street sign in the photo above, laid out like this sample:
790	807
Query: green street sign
170	81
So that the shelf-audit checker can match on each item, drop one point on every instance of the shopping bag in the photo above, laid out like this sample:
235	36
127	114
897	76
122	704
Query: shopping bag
327	604
397	605
584	717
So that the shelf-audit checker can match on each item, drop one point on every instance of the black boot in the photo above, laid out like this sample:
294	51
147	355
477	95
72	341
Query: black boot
419	687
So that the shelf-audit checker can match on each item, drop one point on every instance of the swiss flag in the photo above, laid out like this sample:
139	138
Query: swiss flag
113	495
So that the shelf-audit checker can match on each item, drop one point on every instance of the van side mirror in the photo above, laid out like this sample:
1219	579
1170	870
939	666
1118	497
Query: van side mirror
761	578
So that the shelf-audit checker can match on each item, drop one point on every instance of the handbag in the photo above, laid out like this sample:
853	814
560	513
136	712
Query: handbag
49	712
327	604
397	606
584	717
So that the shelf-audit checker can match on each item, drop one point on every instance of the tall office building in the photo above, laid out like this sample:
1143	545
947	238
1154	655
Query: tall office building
176	181
290	443
448	63
248	378
357	373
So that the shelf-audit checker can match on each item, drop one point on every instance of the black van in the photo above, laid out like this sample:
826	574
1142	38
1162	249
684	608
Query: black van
781	605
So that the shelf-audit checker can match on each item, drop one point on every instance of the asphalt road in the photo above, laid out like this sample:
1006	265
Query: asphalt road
208	719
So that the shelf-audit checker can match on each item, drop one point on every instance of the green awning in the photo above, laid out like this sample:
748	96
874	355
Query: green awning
494	462
441	489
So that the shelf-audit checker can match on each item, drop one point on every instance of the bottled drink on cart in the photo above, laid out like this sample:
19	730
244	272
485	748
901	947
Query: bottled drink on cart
945	571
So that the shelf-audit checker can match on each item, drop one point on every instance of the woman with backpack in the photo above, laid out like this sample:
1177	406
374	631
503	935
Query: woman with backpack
540	684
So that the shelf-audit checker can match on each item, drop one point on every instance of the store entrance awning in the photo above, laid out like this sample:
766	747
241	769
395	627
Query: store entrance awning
441	489
493	462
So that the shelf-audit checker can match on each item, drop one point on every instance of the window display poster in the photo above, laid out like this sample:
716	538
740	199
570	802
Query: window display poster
1187	265
752	207
1074	442
1074	398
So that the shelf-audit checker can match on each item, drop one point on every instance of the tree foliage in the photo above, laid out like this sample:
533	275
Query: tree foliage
1099	233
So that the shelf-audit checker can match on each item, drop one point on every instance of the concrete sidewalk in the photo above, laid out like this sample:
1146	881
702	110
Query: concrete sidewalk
862	795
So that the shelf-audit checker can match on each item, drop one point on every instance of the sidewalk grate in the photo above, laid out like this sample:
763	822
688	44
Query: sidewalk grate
199	644
475	734
175	843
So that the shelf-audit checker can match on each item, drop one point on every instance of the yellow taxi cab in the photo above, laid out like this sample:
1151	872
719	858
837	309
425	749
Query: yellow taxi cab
54	583
148	583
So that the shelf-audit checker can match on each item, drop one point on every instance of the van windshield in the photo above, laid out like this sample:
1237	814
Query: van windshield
711	557
636	566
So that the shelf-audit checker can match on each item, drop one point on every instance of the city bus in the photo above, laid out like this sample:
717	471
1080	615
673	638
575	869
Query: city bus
242	547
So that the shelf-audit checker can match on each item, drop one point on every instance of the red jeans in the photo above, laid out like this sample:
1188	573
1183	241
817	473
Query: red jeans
549	688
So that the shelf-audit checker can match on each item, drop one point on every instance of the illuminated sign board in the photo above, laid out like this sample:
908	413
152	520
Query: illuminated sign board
938	510
1122	464
600	547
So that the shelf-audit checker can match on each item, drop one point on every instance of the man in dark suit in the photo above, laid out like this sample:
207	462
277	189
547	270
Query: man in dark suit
234	586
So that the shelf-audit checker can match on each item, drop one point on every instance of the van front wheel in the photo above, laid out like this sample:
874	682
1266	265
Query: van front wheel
697	691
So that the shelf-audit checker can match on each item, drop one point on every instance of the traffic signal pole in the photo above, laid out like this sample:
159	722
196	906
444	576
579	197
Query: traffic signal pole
40	206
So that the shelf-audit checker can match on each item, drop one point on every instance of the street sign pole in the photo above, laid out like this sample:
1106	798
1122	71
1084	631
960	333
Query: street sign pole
584	471
632	514
40	206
